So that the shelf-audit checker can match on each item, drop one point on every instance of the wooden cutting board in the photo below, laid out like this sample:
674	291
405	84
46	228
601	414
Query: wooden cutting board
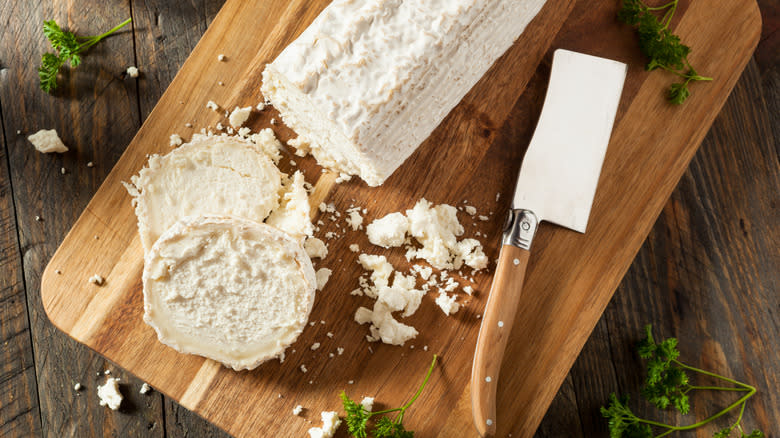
473	156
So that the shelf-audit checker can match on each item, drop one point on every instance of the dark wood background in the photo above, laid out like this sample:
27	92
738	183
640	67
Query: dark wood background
708	273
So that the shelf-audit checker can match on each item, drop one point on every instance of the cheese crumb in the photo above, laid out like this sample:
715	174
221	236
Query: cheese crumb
330	423
221	58
109	394
260	106
354	219
145	388
47	141
175	140
389	231
77	387
239	116
315	346
212	106
447	303
323	274
483	218
304	369
343	177
132	71
315	248
471	210
98	280
367	403
297	410
340	351
354	247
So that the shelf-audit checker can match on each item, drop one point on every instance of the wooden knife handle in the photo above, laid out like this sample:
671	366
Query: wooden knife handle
494	333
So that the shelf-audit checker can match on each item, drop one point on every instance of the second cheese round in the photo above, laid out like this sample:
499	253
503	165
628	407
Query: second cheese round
229	289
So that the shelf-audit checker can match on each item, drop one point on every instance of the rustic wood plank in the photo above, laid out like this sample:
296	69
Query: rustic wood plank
95	112
19	413
165	35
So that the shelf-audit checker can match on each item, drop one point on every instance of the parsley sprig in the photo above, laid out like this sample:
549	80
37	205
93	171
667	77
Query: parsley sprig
69	47
667	385
384	427
660	45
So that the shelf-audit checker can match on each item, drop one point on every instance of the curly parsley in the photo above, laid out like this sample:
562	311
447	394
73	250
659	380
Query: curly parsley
384	427
69	47
667	385
660	45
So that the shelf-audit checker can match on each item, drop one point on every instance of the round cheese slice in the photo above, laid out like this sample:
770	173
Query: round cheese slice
215	174
227	288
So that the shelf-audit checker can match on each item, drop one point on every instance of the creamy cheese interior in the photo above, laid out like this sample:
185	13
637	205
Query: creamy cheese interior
368	81
221	175
229	289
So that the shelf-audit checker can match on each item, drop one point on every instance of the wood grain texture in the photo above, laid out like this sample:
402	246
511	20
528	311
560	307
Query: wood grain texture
468	139
494	332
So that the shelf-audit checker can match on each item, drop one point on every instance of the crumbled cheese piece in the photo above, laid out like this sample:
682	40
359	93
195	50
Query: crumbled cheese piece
219	126
367	403
260	106
389	231
107	372
175	140
273	121
483	218
304	369
220	83
330	423
354	247
354	219
268	143
239	116
315	248
447	303
90	164
145	388
315	346
221	58
301	145
340	351
329	334
323	274
471	210
132	71
423	271
425	348
62	170
188	125
343	177
212	106
38	218
109	394
469	290
47	141
243	132
297	410
77	387
97	279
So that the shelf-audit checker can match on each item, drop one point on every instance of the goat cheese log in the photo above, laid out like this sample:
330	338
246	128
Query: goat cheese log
227	288
369	80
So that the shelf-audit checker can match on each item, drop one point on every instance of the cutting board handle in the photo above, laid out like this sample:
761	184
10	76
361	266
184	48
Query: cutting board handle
494	333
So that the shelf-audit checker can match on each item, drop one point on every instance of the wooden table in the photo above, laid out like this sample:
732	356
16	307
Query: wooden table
709	272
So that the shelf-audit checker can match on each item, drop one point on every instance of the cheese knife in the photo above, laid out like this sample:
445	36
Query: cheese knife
557	183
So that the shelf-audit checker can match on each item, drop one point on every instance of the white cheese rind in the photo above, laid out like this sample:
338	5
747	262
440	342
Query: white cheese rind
368	81
220	175
227	288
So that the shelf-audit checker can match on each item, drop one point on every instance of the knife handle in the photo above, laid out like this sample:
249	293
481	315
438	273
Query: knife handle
494	332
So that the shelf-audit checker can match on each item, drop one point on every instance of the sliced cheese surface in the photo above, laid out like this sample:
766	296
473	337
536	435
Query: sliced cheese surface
369	80
221	175
227	288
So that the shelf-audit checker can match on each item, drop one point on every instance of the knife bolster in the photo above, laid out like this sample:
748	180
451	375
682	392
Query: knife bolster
520	228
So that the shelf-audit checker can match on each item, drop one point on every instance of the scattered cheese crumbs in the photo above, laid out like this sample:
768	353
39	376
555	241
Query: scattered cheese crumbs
221	57
175	140
323	274
145	388
471	210
132	71
315	248
47	141
109	394
315	346
98	280
239	116
447	303
389	231
212	106
304	369
340	351
90	164
343	177
354	247
77	387
330	423
367	403
297	410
